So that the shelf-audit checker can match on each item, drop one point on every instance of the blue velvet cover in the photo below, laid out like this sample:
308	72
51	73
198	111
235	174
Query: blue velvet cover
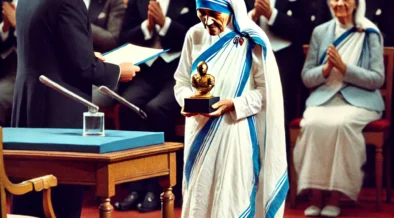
72	140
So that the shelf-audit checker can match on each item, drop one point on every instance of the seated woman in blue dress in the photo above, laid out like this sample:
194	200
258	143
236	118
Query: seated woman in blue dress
345	68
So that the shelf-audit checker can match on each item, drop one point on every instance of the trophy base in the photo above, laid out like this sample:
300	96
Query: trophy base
93	124
200	105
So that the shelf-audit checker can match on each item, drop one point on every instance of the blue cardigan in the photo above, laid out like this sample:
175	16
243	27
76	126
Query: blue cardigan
362	82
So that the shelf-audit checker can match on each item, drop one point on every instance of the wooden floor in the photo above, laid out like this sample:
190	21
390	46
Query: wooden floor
365	208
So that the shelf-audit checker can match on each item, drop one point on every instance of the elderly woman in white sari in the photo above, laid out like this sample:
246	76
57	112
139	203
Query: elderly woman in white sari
345	67
235	157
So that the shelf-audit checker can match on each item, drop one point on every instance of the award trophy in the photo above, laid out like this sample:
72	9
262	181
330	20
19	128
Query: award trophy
93	121
202	101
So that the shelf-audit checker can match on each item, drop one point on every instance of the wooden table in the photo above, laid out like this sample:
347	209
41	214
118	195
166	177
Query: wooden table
101	170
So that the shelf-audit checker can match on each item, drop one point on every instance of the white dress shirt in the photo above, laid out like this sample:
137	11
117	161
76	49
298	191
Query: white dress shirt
168	56
87	3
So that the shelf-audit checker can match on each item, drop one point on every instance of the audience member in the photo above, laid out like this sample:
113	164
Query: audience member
54	39
8	60
156	24
285	24
345	68
106	18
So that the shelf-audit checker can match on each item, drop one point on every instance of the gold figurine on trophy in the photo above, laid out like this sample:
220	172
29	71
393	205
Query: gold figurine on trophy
203	82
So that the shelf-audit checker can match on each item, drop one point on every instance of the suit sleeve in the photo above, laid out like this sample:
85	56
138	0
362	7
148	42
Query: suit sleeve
74	34
291	27
373	77
131	29
107	39
312	73
175	35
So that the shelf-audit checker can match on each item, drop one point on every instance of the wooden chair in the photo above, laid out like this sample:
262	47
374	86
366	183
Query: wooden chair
375	133
43	183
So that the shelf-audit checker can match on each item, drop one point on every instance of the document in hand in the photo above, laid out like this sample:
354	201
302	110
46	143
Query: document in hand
132	53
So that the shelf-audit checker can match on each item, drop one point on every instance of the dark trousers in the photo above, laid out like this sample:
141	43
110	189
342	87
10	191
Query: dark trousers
66	199
152	89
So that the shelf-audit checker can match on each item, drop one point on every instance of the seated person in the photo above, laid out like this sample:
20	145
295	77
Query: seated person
156	24
345	68
8	61
106	20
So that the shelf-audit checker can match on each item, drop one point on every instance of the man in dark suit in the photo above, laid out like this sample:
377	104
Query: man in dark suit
8	61
54	39
106	17
155	24
285	23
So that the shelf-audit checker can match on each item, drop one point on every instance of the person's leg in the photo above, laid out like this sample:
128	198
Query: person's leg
66	199
151	200
316	204
163	110
136	195
6	96
138	92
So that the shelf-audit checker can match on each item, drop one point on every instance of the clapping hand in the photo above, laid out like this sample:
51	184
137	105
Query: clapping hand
262	7
155	11
334	58
9	18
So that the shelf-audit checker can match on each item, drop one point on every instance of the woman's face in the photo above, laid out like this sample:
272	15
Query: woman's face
343	8
214	22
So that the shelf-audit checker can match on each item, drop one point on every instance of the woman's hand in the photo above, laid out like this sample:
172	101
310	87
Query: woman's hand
223	106
334	57
187	114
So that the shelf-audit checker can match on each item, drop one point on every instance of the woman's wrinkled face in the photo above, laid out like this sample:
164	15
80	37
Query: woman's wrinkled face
214	22
343	8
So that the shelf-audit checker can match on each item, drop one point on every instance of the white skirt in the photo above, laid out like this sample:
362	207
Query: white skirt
330	150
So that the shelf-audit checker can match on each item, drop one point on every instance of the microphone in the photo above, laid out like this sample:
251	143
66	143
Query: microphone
92	107
105	90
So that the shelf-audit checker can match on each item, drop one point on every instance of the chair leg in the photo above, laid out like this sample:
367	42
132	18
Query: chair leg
47	203
293	179
387	161
378	176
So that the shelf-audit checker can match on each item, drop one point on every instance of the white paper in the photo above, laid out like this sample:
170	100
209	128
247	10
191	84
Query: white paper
131	53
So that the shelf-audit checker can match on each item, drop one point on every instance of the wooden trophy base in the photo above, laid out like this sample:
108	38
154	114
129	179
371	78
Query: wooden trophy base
200	105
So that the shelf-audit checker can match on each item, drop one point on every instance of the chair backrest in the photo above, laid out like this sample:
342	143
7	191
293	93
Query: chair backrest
387	88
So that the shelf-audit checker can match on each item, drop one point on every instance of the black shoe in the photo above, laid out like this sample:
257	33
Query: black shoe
151	203
128	203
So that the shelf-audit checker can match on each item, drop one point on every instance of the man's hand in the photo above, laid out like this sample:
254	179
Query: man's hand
334	57
155	11
99	56
223	106
8	12
127	71
262	7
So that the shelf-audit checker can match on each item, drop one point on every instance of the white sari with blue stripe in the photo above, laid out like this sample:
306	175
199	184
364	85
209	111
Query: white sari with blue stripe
235	165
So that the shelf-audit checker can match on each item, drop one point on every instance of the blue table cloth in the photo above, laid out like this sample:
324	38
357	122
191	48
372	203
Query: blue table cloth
72	140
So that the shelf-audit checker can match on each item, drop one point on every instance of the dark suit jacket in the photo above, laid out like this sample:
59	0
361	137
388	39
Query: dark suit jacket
137	12
106	17
381	12
8	65
290	24
54	39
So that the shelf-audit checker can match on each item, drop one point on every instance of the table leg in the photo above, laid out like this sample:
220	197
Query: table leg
105	208
167	203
